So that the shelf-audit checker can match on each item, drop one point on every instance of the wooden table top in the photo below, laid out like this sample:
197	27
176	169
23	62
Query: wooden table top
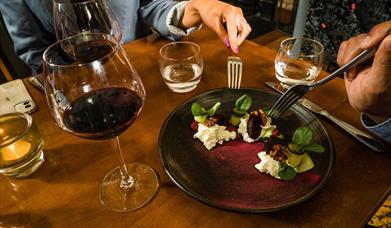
64	191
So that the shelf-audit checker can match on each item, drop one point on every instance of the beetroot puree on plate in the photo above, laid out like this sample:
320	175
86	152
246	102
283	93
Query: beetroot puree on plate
233	168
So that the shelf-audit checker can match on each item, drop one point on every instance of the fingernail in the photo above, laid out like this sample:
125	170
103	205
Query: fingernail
226	42
237	50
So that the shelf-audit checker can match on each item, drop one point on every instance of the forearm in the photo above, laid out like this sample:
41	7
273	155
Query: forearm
154	13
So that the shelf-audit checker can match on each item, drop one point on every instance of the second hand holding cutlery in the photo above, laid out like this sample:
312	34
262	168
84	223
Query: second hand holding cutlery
295	92
363	137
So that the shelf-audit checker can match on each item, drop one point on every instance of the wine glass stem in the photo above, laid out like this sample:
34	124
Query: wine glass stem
127	180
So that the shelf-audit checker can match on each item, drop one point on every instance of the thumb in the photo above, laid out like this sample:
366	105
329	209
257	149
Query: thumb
381	67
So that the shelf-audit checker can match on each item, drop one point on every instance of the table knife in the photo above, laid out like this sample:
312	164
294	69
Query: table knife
37	83
363	137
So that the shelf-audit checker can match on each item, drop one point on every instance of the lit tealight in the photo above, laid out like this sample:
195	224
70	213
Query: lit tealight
15	151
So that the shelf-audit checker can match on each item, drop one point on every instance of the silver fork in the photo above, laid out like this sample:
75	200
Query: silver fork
234	68
294	93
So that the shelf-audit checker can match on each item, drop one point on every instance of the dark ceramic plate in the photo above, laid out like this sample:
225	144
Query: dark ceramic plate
225	177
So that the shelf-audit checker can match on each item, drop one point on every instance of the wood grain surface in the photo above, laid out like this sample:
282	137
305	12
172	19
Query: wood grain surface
64	191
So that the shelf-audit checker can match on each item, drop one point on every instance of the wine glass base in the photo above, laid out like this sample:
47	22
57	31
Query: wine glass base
142	191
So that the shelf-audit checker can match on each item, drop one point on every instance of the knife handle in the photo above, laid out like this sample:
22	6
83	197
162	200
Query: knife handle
363	137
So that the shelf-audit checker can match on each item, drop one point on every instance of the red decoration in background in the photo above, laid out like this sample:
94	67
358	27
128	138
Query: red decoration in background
323	25
353	6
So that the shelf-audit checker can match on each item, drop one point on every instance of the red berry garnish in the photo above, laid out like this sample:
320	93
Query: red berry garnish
276	133
194	125
231	128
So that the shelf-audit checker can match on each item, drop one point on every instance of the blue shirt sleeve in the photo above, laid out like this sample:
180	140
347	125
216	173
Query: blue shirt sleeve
382	130
29	32
154	13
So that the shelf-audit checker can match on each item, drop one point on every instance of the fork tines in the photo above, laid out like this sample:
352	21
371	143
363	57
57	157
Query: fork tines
287	100
234	72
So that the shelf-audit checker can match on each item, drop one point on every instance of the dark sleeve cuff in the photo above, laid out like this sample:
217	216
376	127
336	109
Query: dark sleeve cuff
383	129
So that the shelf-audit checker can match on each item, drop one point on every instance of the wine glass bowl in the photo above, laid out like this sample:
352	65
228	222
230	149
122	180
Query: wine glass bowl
95	93
298	61
73	17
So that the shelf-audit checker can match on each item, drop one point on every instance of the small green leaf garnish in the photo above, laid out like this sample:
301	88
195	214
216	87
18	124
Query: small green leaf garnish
300	149
200	114
243	103
197	110
302	136
287	172
201	119
316	148
213	110
239	112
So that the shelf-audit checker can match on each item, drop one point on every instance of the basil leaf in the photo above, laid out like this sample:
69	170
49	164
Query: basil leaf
287	172
302	136
300	150
244	102
213	110
239	112
316	148
197	110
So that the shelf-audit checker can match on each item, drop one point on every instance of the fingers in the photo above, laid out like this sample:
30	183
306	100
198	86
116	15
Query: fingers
347	51
381	68
376	35
232	31
226	20
237	27
243	28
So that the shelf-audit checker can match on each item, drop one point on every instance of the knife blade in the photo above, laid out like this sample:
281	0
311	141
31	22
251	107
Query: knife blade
361	136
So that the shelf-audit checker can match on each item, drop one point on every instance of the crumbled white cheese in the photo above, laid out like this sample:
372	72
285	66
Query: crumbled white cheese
243	130
266	130
210	136
268	165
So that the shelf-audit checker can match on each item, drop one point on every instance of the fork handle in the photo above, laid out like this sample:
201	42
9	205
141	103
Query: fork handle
364	55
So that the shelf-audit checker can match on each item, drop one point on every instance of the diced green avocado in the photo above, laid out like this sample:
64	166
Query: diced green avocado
294	160
292	147
235	120
200	119
266	133
306	163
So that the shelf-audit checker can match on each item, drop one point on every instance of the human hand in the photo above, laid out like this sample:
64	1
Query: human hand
225	20
369	88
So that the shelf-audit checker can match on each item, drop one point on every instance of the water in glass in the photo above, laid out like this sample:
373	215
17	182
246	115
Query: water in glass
182	77
296	71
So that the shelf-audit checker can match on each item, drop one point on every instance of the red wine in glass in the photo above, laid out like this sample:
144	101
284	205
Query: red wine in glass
103	113
94	93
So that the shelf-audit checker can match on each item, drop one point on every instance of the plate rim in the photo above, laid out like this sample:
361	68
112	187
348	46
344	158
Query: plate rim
198	197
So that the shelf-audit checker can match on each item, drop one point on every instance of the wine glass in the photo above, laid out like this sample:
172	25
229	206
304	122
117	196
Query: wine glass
93	92
298	61
72	17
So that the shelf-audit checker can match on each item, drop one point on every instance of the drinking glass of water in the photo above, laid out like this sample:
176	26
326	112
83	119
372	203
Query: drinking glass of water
181	65
298	61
